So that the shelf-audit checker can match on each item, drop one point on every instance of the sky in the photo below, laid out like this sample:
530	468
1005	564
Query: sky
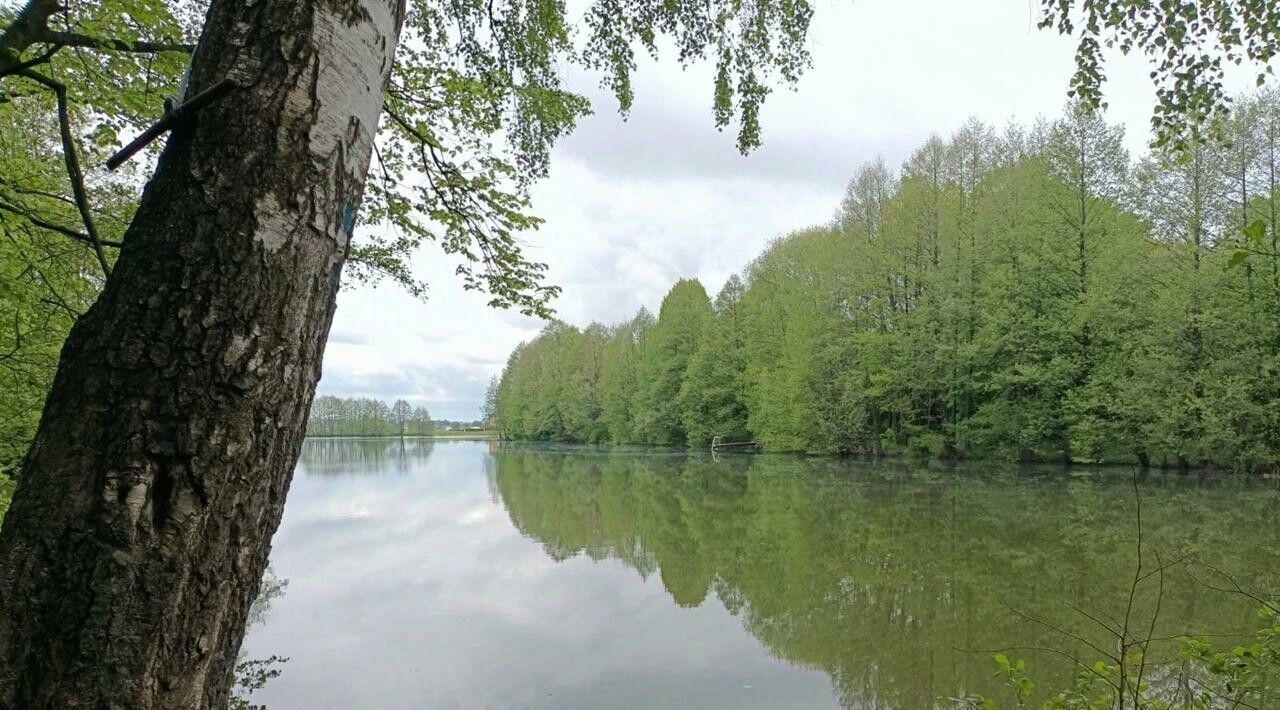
632	206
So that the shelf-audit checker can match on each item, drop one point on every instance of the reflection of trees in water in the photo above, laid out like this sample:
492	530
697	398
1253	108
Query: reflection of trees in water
359	457
882	575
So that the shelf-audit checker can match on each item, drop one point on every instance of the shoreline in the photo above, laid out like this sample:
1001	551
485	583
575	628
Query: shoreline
475	435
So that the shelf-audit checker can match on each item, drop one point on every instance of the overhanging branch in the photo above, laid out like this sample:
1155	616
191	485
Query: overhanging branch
75	39
33	62
42	223
31	27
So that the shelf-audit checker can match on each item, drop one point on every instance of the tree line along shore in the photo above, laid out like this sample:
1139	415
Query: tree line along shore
1028	294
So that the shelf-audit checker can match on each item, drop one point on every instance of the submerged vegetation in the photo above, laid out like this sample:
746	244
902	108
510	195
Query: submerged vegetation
1030	294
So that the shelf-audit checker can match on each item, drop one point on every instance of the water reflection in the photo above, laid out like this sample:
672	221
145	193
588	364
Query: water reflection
492	575
364	456
250	675
887	577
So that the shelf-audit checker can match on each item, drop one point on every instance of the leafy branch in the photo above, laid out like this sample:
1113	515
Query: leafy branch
1189	45
71	158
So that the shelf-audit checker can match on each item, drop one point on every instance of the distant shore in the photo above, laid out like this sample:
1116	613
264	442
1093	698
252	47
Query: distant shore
468	434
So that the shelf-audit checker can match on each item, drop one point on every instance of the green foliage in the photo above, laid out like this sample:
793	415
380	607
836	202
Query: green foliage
1015	676
620	385
1189	45
1030	296
489	409
711	394
47	278
474	105
253	675
668	349
476	100
1205	677
1242	674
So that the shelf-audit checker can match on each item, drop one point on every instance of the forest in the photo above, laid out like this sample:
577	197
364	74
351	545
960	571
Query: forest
163	373
1023	294
366	416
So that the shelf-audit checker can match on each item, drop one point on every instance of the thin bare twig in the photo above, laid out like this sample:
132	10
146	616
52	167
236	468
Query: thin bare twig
1094	619
1151	629
1133	592
1162	567
1235	702
1060	630
1236	588
1057	651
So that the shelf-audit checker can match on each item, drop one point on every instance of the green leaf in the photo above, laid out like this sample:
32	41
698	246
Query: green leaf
1256	231
1237	259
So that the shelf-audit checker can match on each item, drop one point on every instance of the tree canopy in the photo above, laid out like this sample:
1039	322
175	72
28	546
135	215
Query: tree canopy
475	102
477	99
1035	295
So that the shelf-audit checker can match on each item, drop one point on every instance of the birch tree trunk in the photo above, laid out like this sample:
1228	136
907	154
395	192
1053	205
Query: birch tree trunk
145	509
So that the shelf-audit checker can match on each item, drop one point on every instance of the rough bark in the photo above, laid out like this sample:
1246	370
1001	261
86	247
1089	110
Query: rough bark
142	521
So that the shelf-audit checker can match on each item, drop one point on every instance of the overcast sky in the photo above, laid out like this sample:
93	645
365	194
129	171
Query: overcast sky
630	207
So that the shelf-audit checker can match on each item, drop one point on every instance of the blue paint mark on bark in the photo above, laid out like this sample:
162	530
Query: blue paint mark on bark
348	218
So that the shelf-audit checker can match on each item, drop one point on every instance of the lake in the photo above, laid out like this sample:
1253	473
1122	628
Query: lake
481	574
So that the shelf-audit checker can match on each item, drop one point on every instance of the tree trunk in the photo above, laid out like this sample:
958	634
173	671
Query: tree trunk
145	508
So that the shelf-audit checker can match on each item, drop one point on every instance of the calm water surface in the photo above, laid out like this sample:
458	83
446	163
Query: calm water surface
482	575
